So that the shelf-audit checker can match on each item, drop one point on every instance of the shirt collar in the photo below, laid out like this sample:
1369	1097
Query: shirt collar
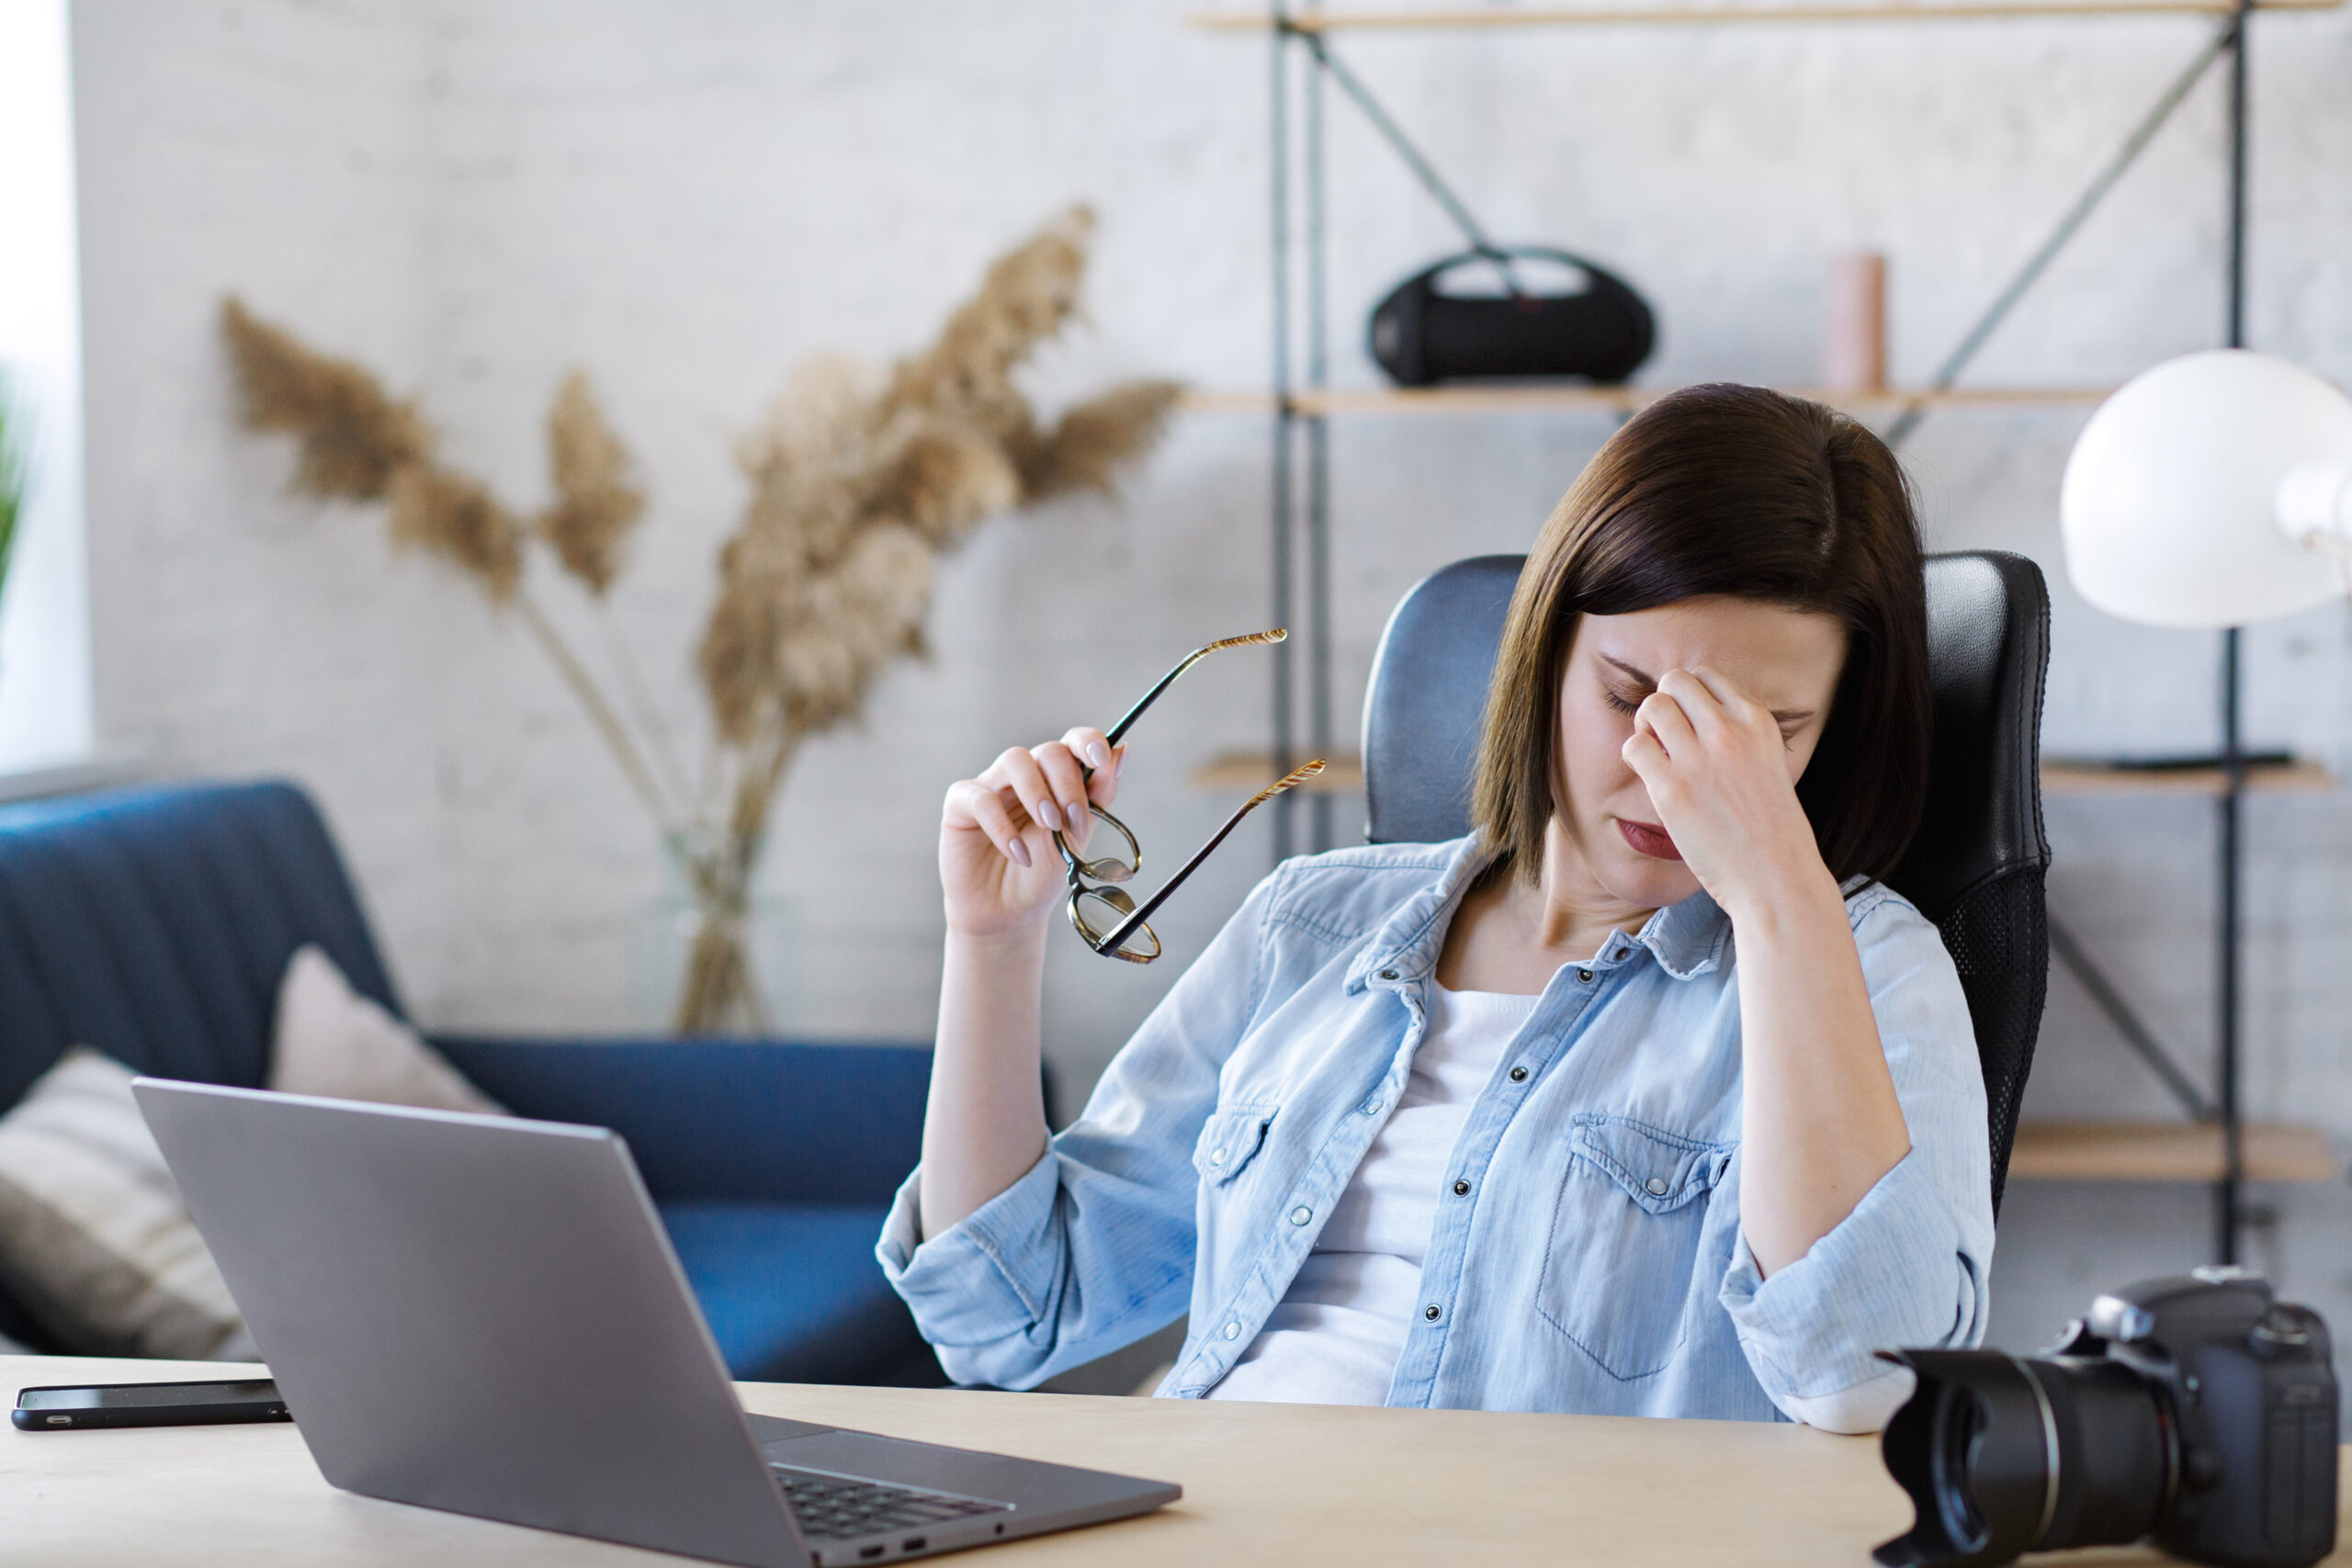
1687	938
1404	949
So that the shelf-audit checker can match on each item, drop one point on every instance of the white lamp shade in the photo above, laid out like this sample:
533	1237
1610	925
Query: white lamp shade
2169	505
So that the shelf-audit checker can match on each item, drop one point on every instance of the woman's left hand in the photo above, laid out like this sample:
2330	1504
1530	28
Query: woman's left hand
1718	772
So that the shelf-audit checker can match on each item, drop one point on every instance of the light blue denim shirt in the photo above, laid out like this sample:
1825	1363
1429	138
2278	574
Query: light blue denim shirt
1595	1263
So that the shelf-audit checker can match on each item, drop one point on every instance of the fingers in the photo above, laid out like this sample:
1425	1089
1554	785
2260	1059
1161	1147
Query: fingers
1020	771
985	809
1091	746
1716	703
1709	702
1102	788
1051	785
1647	759
1722	687
1066	776
1104	785
1103	762
1662	718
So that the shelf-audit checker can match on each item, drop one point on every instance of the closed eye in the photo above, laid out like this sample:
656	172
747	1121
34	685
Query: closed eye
1628	705
1791	722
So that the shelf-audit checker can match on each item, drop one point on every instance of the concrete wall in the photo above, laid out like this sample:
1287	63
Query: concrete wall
687	198
45	631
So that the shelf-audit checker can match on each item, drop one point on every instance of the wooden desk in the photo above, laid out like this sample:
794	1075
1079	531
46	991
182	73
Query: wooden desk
1279	1484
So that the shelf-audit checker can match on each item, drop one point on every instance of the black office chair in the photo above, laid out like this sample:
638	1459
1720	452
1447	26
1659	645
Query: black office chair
1977	867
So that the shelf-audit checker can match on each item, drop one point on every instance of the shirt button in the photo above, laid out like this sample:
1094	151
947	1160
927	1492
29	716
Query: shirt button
1654	1186
1432	1313
1462	1189
1518	1075
1233	1331
1584	976
1388	974
1301	1214
1216	1156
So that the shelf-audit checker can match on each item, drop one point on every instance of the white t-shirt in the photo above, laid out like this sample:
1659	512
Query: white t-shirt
1335	1337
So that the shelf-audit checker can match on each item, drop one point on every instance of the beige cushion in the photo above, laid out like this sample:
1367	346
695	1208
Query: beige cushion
94	1239
335	1043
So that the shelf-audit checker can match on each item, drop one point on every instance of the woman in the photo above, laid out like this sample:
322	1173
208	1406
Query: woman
1644	1098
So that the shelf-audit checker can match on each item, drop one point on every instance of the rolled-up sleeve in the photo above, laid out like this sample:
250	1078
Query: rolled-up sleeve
986	1278
1907	1267
1093	1247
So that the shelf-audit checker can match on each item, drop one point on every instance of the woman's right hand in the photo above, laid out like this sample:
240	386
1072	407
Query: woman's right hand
998	865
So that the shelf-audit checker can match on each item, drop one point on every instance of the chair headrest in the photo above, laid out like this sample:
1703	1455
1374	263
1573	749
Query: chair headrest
1427	700
1989	645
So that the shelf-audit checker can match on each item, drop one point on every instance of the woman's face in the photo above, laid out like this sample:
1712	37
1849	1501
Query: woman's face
1787	661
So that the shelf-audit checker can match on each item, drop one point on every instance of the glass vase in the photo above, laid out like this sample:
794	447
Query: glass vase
707	955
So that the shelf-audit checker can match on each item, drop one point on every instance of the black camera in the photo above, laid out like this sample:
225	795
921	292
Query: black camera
2197	1411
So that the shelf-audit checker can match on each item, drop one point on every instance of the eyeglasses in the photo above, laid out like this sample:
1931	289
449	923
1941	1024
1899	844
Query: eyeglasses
1104	917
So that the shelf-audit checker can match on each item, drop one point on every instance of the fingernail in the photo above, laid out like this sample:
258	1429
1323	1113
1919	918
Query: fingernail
1121	771
1018	852
1049	815
1097	754
1076	812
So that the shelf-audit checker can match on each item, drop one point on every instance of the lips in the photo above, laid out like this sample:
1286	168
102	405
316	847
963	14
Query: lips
1648	840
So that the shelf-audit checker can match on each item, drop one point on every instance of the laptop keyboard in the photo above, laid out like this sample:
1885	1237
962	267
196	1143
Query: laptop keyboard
833	1507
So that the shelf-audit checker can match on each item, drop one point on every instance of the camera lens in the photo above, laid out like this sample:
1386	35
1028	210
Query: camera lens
2003	1456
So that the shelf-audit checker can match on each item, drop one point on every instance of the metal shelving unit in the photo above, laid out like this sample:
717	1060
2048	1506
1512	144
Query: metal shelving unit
1300	402
1317	19
1569	397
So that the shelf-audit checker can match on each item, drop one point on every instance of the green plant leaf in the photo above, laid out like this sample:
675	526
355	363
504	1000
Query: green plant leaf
12	472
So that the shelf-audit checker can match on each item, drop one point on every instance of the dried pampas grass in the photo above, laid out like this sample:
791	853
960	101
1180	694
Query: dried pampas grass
1027	295
352	436
858	479
595	507
455	517
1094	438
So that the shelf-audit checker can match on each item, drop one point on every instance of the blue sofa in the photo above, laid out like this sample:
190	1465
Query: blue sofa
154	925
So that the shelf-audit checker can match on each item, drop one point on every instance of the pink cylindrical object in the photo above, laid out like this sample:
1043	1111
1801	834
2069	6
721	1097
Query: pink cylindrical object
1853	326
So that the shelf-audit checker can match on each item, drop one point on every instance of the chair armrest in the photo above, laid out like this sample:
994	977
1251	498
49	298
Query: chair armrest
758	1120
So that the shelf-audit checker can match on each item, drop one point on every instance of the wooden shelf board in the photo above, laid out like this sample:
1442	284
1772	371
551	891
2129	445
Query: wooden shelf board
2166	1151
2077	778
1563	397
1344	775
1341	774
1686	14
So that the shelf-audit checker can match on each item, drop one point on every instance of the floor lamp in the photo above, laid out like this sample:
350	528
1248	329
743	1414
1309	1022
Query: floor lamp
2215	491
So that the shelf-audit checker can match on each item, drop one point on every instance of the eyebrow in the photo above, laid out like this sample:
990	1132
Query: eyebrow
1785	716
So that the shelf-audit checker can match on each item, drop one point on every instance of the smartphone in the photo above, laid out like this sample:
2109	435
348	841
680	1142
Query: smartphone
148	1404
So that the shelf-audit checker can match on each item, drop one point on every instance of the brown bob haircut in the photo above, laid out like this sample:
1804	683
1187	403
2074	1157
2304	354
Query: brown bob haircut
1735	490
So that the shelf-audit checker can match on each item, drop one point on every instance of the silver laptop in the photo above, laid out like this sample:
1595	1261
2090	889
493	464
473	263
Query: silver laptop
484	1314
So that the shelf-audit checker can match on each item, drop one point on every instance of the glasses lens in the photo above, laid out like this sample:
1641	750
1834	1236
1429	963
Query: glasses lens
1097	911
1110	854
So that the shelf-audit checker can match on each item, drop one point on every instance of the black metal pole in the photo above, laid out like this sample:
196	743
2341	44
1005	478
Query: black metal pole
2237	174
2228	1198
1318	457
1278	141
2229	1204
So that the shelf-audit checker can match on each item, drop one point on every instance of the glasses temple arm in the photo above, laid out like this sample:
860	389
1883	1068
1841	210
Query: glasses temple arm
1127	719
1117	936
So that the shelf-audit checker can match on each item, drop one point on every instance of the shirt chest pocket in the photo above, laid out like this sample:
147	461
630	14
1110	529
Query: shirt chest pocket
1624	1238
1230	1141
